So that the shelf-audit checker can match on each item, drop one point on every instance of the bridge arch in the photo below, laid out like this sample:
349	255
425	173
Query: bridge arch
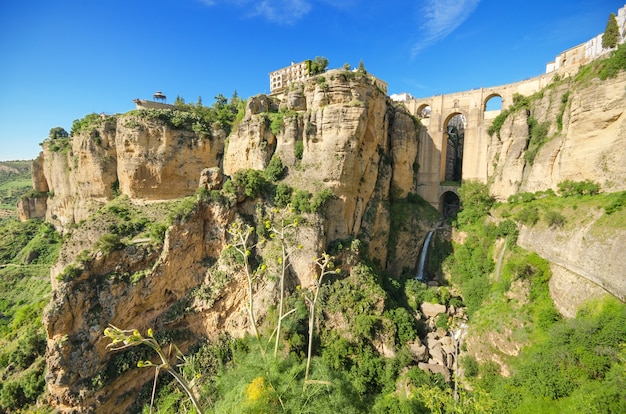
449	203
452	147
493	102
424	110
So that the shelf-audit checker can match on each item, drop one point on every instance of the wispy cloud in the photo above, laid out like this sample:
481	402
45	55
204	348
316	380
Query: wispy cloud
441	17
284	12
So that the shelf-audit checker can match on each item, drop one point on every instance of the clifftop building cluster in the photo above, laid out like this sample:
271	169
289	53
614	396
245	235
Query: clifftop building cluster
576	56
297	72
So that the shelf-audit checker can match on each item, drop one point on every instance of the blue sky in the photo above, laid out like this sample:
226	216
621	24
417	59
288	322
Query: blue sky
63	59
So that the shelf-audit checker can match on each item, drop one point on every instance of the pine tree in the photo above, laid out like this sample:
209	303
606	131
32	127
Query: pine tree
611	33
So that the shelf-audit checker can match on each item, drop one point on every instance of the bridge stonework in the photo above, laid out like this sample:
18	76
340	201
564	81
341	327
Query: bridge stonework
433	138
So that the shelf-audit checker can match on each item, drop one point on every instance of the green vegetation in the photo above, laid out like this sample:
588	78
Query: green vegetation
569	188
519	102
538	136
317	66
538	131
15	182
122	339
611	34
257	184
476	202
27	250
578	366
603	68
275	169
575	365
58	132
90	122
559	117
223	114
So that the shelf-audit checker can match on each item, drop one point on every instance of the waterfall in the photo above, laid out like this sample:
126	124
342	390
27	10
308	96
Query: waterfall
421	275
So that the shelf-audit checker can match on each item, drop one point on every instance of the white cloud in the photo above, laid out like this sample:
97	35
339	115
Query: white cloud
441	17
282	11
277	11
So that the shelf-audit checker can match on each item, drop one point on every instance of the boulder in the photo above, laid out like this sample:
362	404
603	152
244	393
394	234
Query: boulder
431	310
418	351
211	178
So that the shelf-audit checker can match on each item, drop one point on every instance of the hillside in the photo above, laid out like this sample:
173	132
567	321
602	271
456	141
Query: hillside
15	181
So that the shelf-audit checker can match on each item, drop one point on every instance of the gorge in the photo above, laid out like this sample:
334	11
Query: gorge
151	204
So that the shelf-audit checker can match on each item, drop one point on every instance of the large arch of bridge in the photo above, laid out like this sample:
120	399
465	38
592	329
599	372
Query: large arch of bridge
444	142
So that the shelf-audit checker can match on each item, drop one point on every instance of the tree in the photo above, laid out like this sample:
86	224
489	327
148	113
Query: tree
58	132
361	68
611	33
318	65
179	102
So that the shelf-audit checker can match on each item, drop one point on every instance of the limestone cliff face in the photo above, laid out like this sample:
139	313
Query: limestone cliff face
79	176
103	294
158	162
353	140
141	158
596	255
586	147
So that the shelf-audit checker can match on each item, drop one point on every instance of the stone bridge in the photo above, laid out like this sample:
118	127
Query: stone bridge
437	114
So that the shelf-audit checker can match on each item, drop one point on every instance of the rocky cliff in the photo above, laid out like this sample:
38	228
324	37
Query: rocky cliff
337	132
138	154
354	141
569	131
572	130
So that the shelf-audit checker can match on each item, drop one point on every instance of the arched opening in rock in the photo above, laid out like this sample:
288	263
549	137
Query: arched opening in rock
454	134
449	204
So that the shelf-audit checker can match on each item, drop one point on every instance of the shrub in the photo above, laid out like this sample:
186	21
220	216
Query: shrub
469	365
299	148
12	396
554	218
442	321
508	228
276	122
405	324
274	170
70	272
320	199
157	231
109	242
251	182
614	64
538	136
418	293
616	203
476	202
300	201
529	215
282	195
89	121
569	188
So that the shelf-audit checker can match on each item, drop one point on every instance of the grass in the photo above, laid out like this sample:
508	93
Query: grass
576	211
27	250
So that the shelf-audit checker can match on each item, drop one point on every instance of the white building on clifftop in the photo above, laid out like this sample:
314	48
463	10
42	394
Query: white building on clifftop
576	56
